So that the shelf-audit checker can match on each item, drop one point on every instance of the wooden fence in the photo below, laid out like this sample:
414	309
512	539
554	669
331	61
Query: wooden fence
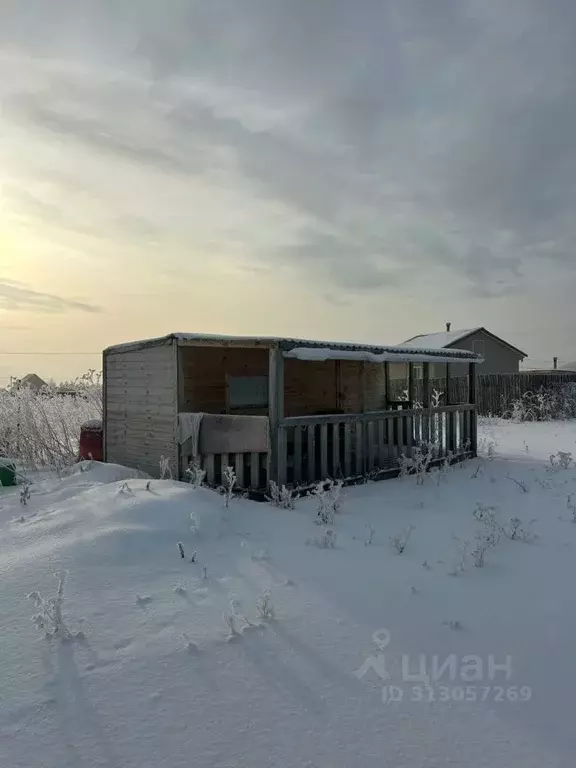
495	392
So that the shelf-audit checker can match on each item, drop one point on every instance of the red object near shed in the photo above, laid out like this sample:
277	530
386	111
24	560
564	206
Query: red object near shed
91	441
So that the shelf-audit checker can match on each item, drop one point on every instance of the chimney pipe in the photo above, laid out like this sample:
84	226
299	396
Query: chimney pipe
555	363
448	326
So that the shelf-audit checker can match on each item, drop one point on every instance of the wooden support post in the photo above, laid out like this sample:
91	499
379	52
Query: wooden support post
426	385
180	387
410	385
387	386
338	383
450	417
277	454
426	420
473	413
180	378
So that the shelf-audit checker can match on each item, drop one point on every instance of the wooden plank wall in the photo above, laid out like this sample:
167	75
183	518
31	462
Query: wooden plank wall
204	370
140	424
310	387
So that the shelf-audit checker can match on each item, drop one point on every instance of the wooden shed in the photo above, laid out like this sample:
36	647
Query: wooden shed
285	410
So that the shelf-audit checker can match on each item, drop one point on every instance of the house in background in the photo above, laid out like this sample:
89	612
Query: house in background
31	381
499	355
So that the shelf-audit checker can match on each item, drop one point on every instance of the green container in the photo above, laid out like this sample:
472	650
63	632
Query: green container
7	472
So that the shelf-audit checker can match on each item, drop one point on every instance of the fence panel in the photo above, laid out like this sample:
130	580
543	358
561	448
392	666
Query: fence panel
495	392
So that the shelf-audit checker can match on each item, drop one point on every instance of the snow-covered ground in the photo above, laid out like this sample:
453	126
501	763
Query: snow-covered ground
156	679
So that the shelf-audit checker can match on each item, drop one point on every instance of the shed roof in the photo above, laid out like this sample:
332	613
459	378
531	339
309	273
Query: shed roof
449	338
306	349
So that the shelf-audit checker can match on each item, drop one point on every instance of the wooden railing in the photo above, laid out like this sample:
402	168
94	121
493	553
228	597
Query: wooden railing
251	468
313	448
346	446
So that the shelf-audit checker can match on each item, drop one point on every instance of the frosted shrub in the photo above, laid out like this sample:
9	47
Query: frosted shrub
125	490
49	617
230	619
418	464
461	561
436	398
281	497
194	525
486	515
326	541
228	485
484	541
371	534
520	484
487	448
165	469
455	625
517	530
400	541
232	616
25	495
435	426
262	556
551	404
439	475
196	475
264	606
42	429
560	460
489	537
329	500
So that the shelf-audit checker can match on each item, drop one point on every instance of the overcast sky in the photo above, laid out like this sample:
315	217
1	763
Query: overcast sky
361	170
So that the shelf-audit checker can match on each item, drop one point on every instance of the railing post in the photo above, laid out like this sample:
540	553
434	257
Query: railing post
277	449
387	385
473	413
426	417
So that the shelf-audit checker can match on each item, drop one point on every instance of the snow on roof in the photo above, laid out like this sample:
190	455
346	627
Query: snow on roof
306	349
448	338
387	355
439	340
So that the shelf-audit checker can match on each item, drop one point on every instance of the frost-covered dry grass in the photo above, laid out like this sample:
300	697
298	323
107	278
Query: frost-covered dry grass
42	430
256	649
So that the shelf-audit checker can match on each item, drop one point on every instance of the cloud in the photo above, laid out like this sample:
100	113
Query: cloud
372	147
12	327
14	297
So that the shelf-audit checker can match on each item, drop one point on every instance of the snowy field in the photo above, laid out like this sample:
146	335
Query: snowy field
177	663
